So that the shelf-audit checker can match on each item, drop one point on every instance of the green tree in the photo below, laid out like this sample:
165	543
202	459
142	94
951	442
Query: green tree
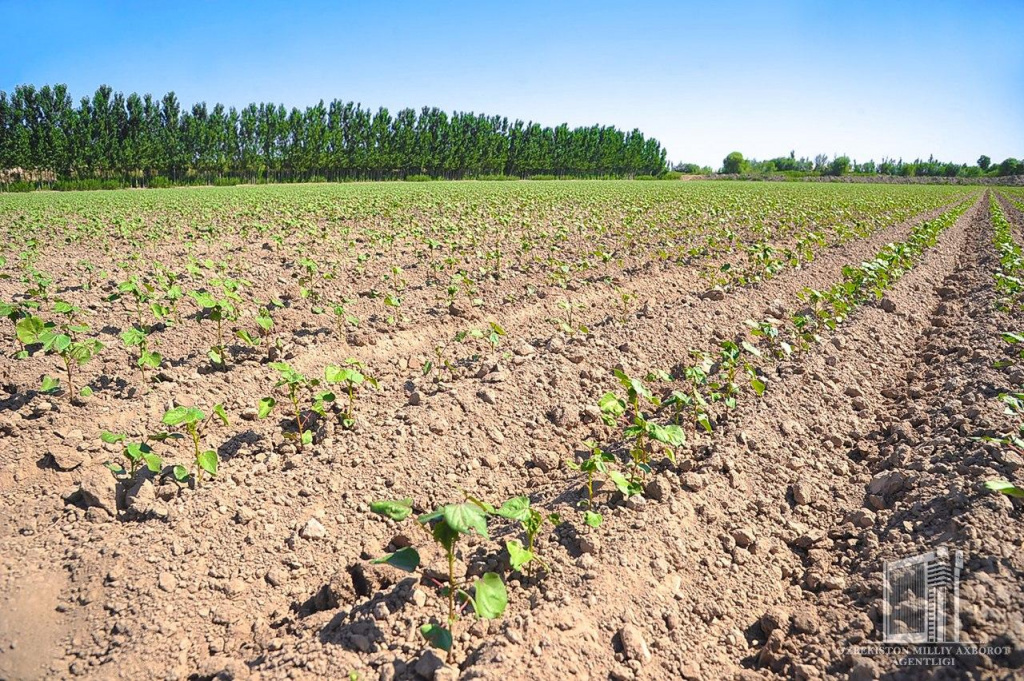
734	163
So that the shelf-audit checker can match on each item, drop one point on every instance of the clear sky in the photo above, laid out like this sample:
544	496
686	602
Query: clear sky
862	78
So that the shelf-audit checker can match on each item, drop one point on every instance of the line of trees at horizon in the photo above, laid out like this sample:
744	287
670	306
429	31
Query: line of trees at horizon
134	139
822	164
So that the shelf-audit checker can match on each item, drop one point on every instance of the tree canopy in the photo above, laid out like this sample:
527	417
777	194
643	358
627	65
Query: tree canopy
136	138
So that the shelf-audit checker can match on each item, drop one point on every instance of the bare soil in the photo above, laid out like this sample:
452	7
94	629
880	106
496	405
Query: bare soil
758	556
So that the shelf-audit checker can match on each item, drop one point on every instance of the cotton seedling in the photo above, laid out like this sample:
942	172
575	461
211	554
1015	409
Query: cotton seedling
768	331
343	318
219	309
1011	338
140	293
492	334
446	525
351	377
519	509
136	454
20	314
298	387
569	325
731	361
194	422
596	463
642	431
136	337
307	282
62	339
1005	487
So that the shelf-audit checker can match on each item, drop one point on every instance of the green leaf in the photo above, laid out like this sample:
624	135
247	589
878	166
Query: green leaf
516	508
29	329
180	473
266	406
437	636
150	360
49	384
153	462
218	409
1005	487
406	559
627	488
672	435
611	405
307	437
86	391
592	519
758	385
518	555
463	518
491	598
111	438
179	415
208	461
751	349
396	510
247	337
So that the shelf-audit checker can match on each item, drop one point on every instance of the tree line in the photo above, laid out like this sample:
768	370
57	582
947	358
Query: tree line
137	139
822	164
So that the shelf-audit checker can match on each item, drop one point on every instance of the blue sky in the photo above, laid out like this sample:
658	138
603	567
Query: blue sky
864	78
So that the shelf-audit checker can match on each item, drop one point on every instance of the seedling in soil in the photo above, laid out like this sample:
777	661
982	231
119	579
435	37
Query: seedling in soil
519	509
61	339
136	453
597	462
642	431
194	422
141	294
768	330
1005	487
350	376
136	337
297	384
568	325
219	309
730	363
343	318
1011	339
19	313
492	334
446	526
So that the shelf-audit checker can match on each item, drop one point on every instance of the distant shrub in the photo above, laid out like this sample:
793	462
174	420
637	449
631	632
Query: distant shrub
18	187
225	181
160	182
318	179
543	177
496	178
86	185
671	175
418	178
644	177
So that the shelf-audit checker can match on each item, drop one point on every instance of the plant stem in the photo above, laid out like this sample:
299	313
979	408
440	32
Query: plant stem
71	385
451	588
298	413
194	432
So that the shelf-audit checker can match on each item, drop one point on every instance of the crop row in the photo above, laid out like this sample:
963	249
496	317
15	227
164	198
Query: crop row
655	416
1009	284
